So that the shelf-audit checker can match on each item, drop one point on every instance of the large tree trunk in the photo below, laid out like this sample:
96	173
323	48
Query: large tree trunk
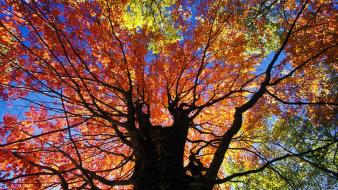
159	160
159	154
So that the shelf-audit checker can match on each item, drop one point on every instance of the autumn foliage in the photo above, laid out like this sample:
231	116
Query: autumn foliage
159	94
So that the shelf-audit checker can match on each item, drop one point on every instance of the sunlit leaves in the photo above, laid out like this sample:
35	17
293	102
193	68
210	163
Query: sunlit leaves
152	16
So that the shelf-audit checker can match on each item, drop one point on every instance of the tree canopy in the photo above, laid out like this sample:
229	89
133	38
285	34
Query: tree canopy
168	94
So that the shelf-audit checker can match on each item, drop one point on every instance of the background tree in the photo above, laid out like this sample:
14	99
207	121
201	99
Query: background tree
168	94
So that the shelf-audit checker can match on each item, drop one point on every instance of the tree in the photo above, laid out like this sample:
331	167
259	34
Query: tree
158	94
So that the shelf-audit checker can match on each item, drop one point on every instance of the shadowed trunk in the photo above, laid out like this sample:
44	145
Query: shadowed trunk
159	160
159	155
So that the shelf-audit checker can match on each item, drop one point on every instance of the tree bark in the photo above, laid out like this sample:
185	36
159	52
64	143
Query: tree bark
159	160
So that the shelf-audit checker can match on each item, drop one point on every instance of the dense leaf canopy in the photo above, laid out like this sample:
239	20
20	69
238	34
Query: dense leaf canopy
253	81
